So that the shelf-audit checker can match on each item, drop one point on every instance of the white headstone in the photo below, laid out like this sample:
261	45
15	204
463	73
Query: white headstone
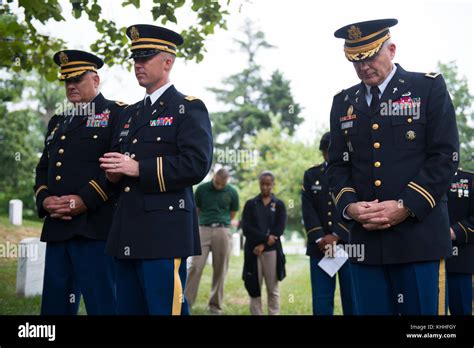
16	212
30	270
236	244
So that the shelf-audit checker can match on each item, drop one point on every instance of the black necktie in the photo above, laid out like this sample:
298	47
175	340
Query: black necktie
146	111
375	102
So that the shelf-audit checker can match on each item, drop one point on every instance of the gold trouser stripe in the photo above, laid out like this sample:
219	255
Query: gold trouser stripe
423	192
158	173
314	229
442	288
99	190
149	39
345	189
178	289
42	187
343	227
465	232
161	174
158	47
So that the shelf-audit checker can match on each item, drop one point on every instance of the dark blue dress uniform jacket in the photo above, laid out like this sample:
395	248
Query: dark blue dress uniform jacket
408	159
461	216
156	215
320	216
70	165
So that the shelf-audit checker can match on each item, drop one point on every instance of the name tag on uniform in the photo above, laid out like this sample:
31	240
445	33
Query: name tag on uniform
162	122
99	120
346	125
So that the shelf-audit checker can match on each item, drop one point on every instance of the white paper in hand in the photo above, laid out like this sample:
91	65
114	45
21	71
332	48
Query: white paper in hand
331	265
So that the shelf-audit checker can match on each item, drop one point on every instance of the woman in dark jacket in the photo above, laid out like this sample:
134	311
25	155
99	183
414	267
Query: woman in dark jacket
263	222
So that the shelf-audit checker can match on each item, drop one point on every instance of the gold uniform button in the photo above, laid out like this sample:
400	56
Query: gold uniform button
61	151
134	141
376	145
329	203
329	213
377	164
58	164
132	156
58	177
410	120
378	183
63	137
375	126
346	132
127	189
170	207
330	223
158	139
95	136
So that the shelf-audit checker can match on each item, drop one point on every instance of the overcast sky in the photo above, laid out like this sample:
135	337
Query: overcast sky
306	50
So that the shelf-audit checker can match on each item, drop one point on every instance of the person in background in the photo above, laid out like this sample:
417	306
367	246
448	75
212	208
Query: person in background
324	229
460	267
263	223
217	202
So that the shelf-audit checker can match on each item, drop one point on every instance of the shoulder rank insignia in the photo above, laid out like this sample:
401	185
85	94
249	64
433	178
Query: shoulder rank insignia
119	103
190	98
432	75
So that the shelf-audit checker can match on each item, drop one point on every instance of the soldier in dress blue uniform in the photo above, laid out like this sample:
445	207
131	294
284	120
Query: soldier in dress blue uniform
394	149
73	196
324	228
460	267
164	147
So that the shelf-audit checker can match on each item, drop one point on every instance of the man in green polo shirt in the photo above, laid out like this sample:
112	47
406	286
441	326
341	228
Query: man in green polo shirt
217	204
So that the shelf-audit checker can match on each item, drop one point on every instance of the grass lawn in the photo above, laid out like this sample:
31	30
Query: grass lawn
295	289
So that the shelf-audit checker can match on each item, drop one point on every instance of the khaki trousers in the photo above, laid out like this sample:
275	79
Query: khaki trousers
218	241
267	268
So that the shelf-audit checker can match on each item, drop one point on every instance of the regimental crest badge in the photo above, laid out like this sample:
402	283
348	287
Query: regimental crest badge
134	34
350	110
63	58
354	32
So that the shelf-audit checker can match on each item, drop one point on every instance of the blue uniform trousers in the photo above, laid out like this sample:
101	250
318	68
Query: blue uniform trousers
151	287
408	289
78	267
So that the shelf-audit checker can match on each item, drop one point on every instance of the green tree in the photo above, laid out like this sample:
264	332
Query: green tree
462	101
277	99
22	47
287	159
249	99
20	139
